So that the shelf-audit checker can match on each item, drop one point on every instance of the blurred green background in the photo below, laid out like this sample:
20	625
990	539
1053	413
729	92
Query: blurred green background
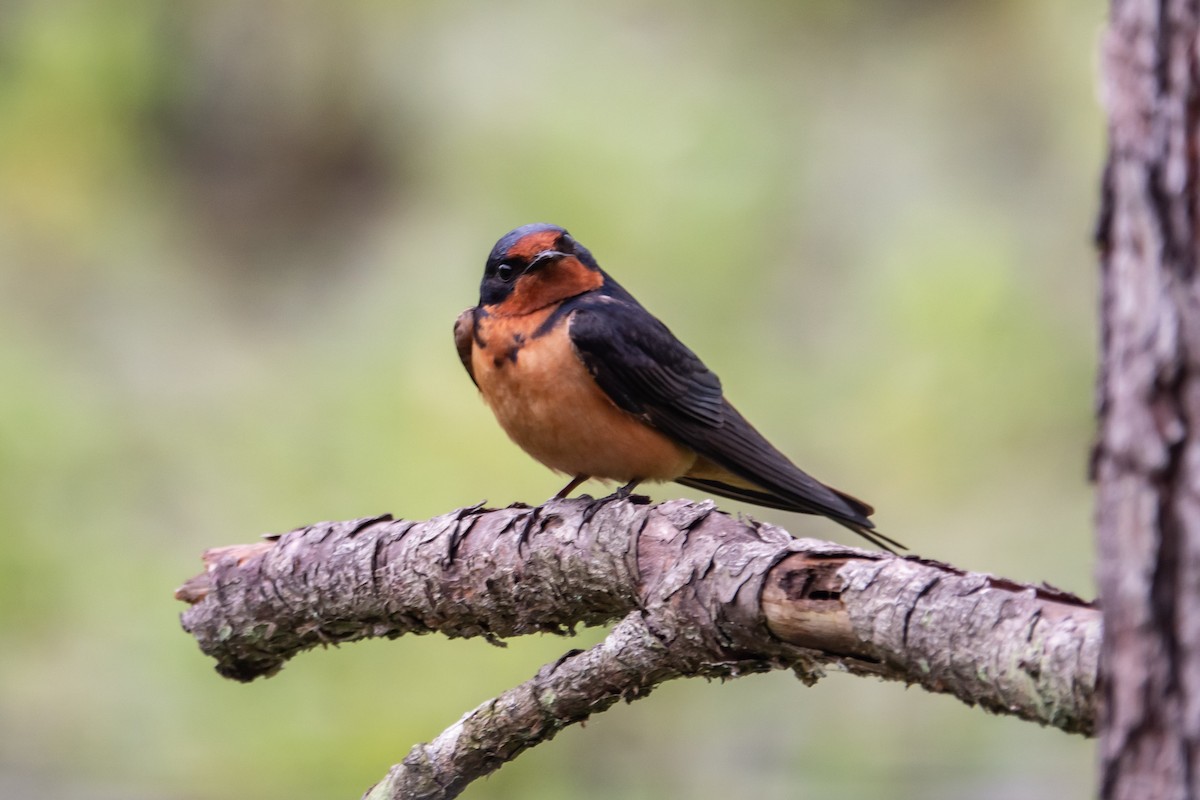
234	238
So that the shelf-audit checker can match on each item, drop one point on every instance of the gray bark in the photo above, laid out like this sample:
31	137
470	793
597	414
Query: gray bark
697	593
1148	453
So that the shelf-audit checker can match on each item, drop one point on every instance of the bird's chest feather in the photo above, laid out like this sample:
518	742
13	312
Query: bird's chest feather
549	404
535	384
528	380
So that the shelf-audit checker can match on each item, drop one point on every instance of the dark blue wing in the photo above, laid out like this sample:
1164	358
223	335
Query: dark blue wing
646	371
642	367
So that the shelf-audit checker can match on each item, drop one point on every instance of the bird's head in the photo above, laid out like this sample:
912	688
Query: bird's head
535	266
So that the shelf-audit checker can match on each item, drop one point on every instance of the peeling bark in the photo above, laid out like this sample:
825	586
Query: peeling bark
697	593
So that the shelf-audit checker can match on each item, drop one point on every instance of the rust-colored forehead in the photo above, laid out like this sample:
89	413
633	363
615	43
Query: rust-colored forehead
531	244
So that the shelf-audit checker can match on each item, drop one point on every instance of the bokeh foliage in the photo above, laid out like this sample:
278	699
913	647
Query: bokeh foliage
233	238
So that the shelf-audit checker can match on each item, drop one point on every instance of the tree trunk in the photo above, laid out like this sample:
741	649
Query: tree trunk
1147	456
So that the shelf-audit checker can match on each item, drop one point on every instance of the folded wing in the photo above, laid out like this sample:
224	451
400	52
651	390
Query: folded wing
647	372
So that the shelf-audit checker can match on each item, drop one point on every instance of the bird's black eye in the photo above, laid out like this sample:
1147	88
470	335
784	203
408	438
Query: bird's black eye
506	272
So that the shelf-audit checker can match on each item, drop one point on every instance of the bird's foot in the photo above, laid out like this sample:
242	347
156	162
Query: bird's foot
570	487
624	493
595	505
531	519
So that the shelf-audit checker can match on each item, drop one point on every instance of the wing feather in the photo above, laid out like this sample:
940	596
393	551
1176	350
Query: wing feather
646	371
464	333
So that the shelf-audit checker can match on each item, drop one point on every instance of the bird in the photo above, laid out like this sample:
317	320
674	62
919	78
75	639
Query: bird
592	385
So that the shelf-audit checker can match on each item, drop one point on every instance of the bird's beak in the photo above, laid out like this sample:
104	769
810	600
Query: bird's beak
545	258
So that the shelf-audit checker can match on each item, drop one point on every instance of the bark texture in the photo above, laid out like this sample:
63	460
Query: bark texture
1148	451
697	593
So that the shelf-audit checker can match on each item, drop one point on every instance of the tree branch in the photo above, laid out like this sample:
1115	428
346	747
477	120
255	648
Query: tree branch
698	593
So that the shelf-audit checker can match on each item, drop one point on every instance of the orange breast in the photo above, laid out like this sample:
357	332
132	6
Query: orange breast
548	404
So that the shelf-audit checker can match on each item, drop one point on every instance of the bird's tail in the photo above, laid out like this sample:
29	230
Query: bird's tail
856	521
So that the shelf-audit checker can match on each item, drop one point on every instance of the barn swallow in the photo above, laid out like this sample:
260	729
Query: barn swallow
592	385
